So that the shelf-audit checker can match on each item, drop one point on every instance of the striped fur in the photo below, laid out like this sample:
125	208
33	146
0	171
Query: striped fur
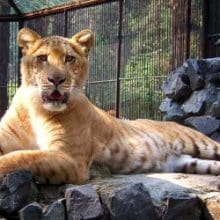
58	140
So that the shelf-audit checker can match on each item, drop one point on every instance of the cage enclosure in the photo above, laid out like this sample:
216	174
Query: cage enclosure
137	44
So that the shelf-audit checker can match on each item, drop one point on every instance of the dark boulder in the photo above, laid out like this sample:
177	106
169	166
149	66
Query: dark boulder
132	202
177	85
214	109
55	211
214	78
172	110
82	202
182	206
205	124
209	66
212	94
15	191
32	211
192	70
200	101
195	105
203	78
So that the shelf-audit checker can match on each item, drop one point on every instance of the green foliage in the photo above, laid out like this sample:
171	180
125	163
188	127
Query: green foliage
11	89
148	60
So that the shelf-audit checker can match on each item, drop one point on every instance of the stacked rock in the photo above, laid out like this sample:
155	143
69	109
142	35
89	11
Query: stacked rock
118	197
193	96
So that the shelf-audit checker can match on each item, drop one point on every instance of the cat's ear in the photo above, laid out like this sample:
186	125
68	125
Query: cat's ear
84	39
26	38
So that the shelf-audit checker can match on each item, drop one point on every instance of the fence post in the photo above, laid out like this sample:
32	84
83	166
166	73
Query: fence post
20	25
65	23
180	9
205	21
4	59
119	58
188	29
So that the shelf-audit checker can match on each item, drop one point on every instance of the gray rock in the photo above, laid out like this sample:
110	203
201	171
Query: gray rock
195	105
211	95
129	203
176	87
169	192
159	185
172	110
208	66
200	101
12	181
196	79
55	211
166	105
32	211
182	206
214	110
205	124
82	202
214	78
15	191
161	196
203	77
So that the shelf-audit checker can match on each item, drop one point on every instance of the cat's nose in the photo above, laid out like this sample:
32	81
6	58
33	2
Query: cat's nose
57	80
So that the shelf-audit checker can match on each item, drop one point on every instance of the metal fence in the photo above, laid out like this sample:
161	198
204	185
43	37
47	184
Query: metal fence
137	44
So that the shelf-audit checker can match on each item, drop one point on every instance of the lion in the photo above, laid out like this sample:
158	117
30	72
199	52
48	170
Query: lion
53	130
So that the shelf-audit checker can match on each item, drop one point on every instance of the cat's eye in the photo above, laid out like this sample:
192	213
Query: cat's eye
69	58
42	58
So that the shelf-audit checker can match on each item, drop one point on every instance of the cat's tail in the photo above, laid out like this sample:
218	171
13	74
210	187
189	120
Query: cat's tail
188	164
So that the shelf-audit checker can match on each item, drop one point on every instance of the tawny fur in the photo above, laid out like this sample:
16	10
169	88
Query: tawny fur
58	140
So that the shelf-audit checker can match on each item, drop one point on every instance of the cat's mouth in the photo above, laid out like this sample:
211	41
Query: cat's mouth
55	97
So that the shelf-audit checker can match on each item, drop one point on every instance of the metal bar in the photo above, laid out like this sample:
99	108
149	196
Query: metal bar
20	25
130	78
205	21
119	58
65	23
188	29
4	58
8	18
